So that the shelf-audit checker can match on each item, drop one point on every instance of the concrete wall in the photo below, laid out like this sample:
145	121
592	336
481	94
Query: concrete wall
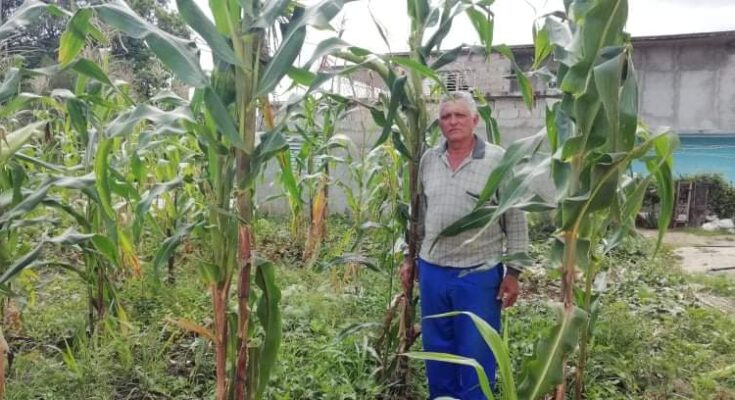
688	85
686	82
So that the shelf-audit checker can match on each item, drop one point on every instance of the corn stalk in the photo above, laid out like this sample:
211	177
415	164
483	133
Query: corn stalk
224	110
404	119
593	134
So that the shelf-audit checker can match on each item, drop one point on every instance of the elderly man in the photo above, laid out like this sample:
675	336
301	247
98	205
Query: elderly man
454	275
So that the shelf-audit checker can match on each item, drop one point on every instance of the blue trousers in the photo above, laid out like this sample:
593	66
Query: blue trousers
443	290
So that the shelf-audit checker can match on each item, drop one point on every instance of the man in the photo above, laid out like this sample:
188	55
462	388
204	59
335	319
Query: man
454	275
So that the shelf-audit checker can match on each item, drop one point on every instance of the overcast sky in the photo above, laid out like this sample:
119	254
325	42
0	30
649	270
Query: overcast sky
514	18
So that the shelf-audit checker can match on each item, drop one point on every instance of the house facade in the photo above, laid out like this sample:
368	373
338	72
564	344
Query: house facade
686	83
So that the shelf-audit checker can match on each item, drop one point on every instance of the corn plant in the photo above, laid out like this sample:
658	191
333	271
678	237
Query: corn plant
593	134
403	116
315	121
247	67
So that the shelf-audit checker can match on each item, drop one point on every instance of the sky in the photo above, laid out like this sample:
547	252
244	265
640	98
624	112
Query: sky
514	19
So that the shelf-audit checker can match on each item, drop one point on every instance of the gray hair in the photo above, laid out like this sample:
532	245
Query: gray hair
463	96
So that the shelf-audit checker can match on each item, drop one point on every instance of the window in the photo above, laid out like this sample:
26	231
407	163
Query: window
456	81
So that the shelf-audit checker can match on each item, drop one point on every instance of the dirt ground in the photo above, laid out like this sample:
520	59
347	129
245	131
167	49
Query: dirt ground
704	253
701	253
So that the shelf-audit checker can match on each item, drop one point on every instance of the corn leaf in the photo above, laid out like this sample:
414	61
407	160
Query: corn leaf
12	142
144	205
222	118
269	314
11	84
74	38
498	347
544	369
483	24
523	82
177	54
102	177
317	16
197	20
397	96
26	15
125	123
454	359
169	246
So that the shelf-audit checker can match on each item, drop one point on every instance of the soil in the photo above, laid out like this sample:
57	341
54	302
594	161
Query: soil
701	253
704	254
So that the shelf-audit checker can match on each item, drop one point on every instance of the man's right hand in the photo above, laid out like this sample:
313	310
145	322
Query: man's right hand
405	274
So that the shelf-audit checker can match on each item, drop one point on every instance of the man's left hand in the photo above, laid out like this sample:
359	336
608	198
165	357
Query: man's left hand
508	291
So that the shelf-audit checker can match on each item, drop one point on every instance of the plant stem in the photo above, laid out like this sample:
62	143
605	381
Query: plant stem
220	345
579	383
568	270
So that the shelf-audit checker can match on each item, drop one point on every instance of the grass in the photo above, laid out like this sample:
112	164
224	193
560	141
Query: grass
653	339
702	232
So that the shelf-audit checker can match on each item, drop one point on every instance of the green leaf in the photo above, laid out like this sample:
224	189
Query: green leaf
600	24
272	10
221	13
661	168
317	16
417	67
325	48
39	195
544	370
26	15
542	45
169	246
74	38
269	315
400	146
177	54
126	122
22	263
77	112
271	143
608	76
13	141
144	205
451	9
446	58
11	84
498	347
628	110
69	237
101	172
92	70
106	247
523	82
222	117
453	359
515	152
193	15
491	125
397	96
350	258
483	23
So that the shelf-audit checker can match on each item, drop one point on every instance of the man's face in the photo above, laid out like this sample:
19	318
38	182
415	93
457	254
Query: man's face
457	121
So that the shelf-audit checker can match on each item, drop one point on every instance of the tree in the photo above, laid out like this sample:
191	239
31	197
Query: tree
38	42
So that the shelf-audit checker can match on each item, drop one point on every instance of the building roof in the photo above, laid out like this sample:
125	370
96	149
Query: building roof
637	40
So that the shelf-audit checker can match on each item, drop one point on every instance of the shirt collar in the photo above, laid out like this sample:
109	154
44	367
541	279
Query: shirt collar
478	152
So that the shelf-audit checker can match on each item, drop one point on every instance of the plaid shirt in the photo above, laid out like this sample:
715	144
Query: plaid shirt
450	195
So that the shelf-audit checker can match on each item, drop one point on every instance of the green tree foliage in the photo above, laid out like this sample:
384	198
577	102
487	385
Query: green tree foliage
150	75
38	42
